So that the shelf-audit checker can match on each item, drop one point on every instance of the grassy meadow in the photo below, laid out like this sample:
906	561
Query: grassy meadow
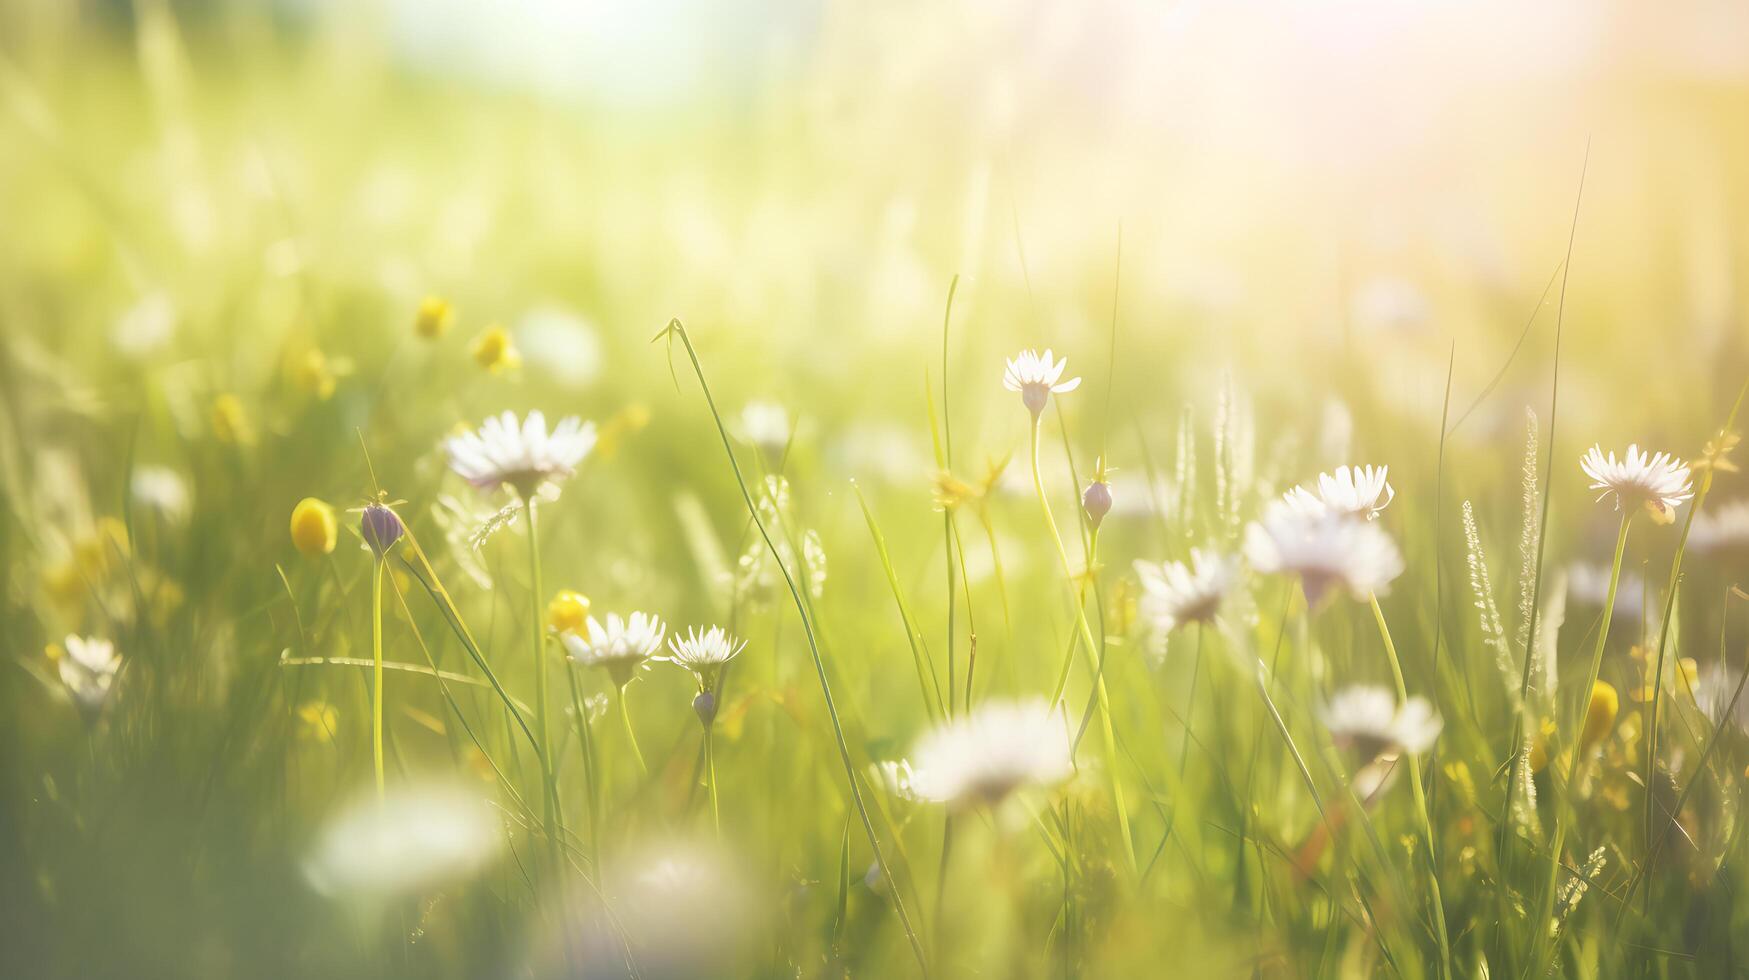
309	670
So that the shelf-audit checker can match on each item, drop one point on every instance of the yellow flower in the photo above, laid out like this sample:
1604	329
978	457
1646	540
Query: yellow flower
567	612
621	424
494	352
230	423
318	720
314	375
313	527
432	319
1539	750
1599	715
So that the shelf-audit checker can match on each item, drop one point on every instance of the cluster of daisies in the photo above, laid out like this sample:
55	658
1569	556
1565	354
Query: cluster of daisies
1325	534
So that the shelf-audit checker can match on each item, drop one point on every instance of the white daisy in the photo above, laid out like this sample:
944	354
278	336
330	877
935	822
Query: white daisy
1175	593
1350	491
985	756
410	841
766	425
87	666
621	645
1724	528
1659	483
522	456
1370	720
1035	377
1324	550
160	489
703	652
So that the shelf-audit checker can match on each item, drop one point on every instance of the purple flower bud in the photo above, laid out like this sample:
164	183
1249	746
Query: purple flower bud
706	706
380	528
1097	501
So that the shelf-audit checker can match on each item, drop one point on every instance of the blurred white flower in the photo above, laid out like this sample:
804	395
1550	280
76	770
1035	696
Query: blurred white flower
414	839
87	666
1713	691
1326	551
1369	720
766	425
1660	483
1350	492
1035	376
897	778
1388	304
620	646
1175	593
146	327
523	456
162	490
1723	528
985	756
560	344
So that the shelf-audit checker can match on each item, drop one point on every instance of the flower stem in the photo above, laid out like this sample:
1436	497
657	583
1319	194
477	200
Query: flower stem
1094	657
1562	785
710	775
376	695
549	782
1420	800
625	717
581	709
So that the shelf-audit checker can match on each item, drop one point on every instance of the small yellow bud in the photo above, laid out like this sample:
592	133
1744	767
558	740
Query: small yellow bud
313	375
230	422
567	612
494	351
313	528
1599	715
432	319
319	721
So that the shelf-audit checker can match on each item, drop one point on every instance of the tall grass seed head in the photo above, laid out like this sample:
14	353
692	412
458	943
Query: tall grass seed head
314	529
1036	376
431	320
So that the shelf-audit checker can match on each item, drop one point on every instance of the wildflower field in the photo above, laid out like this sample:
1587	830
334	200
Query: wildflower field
820	490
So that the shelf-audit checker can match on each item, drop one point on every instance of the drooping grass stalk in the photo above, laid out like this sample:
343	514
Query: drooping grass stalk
1420	798
376	690
1563	785
676	329
549	780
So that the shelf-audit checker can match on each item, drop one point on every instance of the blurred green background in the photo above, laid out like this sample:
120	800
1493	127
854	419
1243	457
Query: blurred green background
1290	220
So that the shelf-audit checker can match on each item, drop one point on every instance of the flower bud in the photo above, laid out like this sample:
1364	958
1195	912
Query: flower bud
1097	501
706	706
313	529
380	528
